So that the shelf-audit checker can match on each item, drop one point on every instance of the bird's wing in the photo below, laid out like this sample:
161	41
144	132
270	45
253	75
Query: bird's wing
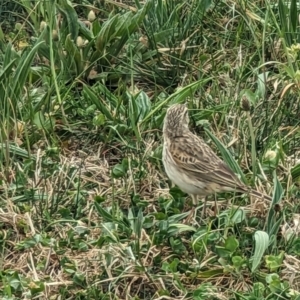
194	157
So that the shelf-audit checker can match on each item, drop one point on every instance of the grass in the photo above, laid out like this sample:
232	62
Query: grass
86	209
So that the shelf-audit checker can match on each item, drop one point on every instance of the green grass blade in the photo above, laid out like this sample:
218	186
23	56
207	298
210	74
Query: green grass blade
91	96
23	69
227	157
293	16
179	96
74	54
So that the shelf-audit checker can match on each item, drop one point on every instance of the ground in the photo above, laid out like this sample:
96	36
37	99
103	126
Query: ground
86	208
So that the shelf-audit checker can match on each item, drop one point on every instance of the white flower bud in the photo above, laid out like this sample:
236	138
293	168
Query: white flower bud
79	42
270	155
91	16
43	25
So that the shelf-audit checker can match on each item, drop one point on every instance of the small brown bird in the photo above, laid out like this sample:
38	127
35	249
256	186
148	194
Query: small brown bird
192	165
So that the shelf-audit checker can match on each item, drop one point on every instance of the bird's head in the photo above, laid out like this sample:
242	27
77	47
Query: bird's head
176	120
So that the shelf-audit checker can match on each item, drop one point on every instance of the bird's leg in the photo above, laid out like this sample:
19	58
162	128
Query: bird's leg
216	205
195	200
194	210
196	206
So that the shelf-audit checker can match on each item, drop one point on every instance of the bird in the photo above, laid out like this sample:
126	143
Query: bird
192	165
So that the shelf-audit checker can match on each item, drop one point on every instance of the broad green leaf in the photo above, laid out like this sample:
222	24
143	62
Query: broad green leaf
274	262
222	252
231	244
23	69
84	31
295	171
133	115
139	224
278	190
111	98
107	217
252	97
261	84
70	14
177	218
238	216
106	33
273	224
238	261
74	54
9	54
179	228
211	273
118	171
91	96
143	105
16	150
31	13
127	24
261	244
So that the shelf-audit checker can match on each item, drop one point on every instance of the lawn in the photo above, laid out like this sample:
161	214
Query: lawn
86	208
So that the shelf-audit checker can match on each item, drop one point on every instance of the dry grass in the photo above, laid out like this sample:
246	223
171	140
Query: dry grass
86	209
